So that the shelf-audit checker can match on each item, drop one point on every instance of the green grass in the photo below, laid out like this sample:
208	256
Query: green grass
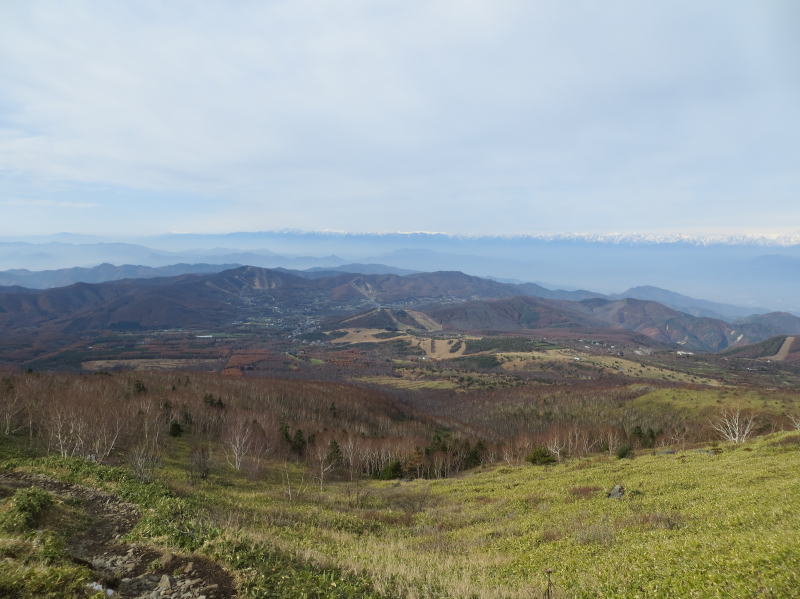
687	527
33	560
506	344
187	523
691	524
696	401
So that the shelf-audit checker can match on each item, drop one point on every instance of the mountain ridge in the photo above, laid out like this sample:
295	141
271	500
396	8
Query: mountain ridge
456	300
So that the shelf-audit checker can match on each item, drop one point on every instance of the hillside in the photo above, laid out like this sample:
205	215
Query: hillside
781	348
661	324
768	325
367	517
511	315
283	300
690	305
664	324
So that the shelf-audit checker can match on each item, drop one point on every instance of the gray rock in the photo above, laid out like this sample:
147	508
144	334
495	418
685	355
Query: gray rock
166	582
166	559
616	493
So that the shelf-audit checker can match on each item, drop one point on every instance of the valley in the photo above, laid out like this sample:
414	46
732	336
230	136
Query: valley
331	436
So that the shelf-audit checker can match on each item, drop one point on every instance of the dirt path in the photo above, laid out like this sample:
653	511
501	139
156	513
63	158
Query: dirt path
783	352
123	570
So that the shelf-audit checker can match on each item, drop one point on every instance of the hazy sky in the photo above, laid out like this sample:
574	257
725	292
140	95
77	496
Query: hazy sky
463	116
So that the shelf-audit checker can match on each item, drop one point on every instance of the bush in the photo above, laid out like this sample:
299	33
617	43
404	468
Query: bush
391	471
175	429
624	451
541	456
26	507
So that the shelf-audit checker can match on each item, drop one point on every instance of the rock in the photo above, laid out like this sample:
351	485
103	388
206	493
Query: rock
189	567
166	582
616	493
166	559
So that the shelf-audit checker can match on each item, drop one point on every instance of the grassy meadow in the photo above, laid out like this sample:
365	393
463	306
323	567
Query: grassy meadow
719	521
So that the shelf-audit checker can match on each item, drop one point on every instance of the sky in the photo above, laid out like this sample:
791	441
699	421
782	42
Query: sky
470	117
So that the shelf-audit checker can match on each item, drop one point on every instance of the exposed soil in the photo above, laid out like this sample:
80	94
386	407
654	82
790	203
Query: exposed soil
783	352
124	570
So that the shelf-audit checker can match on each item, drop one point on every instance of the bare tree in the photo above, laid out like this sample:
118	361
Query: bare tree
734	426
199	466
293	489
612	441
351	456
795	420
11	406
144	453
556	444
238	440
326	459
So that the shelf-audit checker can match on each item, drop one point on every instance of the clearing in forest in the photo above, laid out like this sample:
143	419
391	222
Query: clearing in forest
783	352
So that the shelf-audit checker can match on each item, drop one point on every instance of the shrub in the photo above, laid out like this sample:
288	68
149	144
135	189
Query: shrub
175	429
541	456
624	451
391	471
25	508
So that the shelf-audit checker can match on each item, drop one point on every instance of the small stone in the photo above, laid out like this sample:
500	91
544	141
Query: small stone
166	582
616	493
166	560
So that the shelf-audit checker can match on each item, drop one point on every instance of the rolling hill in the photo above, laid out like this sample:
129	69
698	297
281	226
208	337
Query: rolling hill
452	299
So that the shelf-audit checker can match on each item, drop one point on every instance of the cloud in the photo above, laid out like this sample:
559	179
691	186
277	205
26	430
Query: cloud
31	203
497	115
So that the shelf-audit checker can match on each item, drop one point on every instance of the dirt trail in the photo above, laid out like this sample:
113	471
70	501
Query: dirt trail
783	352
123	570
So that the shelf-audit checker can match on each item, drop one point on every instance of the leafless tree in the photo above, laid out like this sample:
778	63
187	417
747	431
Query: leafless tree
199	463
144	453
795	420
556	444
11	406
612	440
734	426
238	439
293	488
350	452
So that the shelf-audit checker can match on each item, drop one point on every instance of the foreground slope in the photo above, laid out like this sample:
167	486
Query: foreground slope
685	527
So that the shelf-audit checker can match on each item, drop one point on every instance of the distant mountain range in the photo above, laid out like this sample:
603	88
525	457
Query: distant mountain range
451	299
753	273
107	272
44	279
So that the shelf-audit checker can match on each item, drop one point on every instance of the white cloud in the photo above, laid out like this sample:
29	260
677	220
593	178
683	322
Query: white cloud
447	115
32	203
